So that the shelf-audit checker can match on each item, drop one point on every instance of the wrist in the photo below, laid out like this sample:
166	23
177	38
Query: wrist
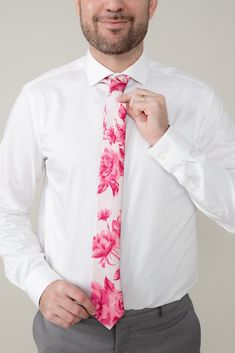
156	139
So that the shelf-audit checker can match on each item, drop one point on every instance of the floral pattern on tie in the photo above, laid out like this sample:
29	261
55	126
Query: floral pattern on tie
106	243
106	293
110	171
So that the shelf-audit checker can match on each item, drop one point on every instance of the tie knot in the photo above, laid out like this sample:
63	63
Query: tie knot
117	83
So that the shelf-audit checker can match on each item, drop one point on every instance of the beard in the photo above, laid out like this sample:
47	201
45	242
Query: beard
123	43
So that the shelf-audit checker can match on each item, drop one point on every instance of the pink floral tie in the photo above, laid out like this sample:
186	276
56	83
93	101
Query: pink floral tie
106	293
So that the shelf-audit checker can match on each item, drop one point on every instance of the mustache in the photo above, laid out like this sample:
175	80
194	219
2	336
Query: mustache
116	17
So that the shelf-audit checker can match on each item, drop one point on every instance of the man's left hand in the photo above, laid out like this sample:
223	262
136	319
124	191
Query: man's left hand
148	110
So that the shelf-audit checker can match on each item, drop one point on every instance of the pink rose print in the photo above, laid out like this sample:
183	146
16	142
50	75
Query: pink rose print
122	112
117	85
108	302
122	153
121	167
104	126
106	243
105	246
120	134
103	214
116	226
117	275
110	135
106	292
109	172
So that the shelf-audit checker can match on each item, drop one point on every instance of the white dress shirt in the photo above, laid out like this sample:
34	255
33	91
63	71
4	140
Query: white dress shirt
54	131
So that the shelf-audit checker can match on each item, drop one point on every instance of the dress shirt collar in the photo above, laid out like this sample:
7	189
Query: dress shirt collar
96	71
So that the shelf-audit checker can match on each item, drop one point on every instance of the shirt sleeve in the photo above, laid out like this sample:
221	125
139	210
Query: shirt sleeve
206	169
21	166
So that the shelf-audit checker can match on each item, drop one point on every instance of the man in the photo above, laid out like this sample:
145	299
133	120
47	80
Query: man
180	153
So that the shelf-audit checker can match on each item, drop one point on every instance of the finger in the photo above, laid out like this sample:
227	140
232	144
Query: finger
138	90
124	98
74	308
80	296
66	316
137	114
133	98
60	322
145	92
134	108
138	106
140	98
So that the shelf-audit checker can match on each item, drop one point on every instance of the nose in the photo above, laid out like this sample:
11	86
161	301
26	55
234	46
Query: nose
114	6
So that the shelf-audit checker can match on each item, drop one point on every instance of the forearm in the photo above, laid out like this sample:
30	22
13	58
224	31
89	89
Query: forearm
209	182
24	260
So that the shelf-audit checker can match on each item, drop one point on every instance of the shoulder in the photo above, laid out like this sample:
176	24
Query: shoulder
56	76
178	79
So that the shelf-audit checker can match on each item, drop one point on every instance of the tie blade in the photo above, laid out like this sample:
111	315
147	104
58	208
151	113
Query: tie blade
108	301
106	293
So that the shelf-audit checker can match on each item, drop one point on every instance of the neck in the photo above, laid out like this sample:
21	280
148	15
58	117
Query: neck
117	63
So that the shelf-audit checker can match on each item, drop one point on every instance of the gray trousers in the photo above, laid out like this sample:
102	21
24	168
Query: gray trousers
171	328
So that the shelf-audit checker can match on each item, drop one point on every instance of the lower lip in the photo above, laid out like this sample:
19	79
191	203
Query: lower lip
115	24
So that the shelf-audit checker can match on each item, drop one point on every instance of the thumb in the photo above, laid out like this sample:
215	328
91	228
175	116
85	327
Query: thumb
128	110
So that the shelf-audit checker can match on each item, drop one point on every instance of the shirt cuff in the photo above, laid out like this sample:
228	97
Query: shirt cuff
171	149
38	280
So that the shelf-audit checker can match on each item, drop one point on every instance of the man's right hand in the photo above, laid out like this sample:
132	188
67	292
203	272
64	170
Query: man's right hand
57	304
